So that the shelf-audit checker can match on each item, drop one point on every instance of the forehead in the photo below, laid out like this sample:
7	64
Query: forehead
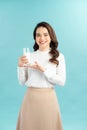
41	30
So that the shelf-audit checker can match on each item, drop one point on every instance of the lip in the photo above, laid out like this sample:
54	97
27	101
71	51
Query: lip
42	42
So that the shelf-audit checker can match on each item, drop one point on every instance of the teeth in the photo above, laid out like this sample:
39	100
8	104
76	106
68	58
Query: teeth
42	42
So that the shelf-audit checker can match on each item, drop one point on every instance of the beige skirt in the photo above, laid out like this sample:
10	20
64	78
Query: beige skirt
39	110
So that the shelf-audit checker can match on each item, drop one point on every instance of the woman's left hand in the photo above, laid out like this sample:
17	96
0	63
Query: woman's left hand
37	66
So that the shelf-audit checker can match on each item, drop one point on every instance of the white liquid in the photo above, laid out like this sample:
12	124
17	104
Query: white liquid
26	52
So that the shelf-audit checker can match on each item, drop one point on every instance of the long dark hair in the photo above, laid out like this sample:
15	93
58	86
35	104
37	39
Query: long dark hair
53	44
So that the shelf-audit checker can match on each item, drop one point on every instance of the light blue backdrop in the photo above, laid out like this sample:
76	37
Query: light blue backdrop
69	20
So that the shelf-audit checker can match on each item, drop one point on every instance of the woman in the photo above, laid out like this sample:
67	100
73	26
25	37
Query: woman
40	108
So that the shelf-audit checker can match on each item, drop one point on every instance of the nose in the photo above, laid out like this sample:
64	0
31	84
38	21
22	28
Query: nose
42	38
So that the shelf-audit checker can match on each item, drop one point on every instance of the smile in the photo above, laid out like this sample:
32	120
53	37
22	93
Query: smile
42	42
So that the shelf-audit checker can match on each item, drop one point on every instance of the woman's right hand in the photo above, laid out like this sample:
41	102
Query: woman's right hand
22	61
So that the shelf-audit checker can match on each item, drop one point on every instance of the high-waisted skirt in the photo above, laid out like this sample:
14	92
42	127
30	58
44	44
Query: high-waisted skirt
39	110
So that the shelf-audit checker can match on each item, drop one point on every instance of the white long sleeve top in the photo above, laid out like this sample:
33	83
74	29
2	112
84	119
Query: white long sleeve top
53	75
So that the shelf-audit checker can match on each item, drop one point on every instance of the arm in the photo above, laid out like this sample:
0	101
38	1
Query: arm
59	77
22	73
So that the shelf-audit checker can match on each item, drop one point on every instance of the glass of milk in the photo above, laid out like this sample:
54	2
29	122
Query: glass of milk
26	52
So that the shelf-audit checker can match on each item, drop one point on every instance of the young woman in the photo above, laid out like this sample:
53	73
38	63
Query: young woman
40	108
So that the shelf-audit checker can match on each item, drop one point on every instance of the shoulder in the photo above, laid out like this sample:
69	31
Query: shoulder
34	53
61	59
61	56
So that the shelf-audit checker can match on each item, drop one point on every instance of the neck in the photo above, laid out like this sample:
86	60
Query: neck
44	49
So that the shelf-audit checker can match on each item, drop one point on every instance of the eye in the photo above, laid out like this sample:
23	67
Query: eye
37	35
46	34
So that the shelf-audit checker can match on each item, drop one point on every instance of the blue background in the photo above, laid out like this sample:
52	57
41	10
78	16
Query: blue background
69	20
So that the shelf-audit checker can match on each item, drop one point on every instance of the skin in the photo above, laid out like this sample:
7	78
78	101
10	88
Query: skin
43	40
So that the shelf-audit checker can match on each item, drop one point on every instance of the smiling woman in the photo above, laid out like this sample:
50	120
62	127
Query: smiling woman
40	108
43	38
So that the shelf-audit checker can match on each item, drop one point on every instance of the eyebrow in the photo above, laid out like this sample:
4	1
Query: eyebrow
43	33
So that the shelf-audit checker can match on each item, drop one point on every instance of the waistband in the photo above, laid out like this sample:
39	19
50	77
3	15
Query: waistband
40	89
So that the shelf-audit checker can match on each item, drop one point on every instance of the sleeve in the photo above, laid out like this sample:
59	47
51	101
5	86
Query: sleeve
58	77
22	73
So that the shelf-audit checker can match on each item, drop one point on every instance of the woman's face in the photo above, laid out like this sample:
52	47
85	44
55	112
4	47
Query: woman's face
43	38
